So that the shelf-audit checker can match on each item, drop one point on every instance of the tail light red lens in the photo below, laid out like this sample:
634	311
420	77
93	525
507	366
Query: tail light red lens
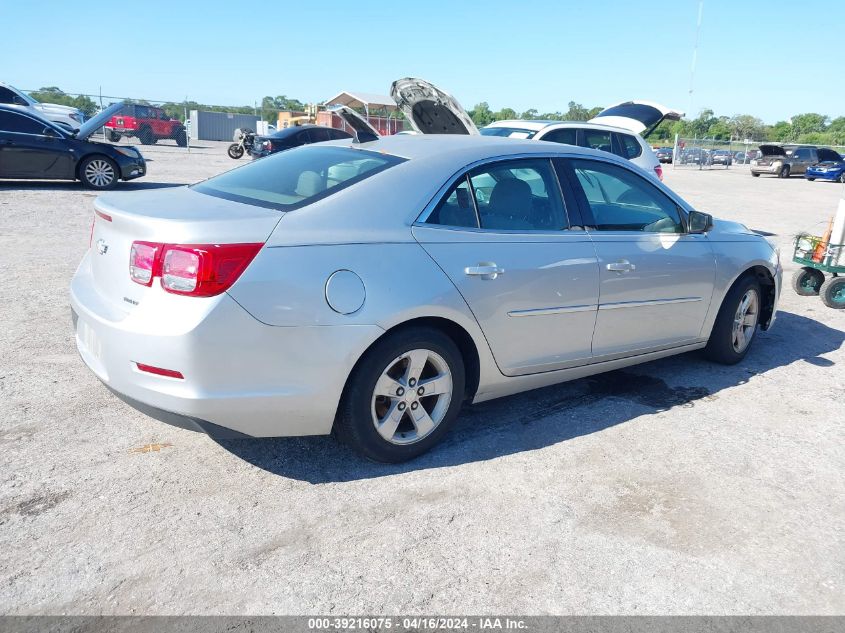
160	371
659	171
197	270
143	262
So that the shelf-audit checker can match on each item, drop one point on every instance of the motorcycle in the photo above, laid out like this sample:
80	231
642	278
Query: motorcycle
244	142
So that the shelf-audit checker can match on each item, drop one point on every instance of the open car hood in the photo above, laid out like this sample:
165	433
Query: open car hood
99	120
641	117
772	150
364	132
828	155
430	110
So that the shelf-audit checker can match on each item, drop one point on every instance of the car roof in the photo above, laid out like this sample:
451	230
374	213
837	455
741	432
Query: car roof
538	125
466	148
288	131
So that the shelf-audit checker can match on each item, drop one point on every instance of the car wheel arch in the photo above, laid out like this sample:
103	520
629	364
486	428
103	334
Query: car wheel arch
767	284
456	332
82	159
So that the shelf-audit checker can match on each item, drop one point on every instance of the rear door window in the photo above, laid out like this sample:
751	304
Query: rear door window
521	195
295	178
597	139
628	145
318	135
562	135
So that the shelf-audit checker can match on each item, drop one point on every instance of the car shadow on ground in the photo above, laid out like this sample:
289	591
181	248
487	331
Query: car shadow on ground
50	185
543	417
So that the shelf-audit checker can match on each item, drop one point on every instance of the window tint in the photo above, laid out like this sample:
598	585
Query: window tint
620	200
511	132
318	135
563	135
338	134
629	146
6	95
803	153
518	196
290	180
597	139
13	122
457	208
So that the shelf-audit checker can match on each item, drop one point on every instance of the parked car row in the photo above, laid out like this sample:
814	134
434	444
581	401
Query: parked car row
784	161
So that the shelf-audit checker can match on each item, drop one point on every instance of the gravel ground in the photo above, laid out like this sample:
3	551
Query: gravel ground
676	487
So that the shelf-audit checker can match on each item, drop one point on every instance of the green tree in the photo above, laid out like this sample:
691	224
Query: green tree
576	112
808	123
481	114
506	113
52	94
745	126
780	131
530	114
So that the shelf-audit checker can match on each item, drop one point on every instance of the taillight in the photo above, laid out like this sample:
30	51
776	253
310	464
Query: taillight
197	270
143	262
659	171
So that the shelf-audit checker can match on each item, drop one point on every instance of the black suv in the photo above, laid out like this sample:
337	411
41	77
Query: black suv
294	137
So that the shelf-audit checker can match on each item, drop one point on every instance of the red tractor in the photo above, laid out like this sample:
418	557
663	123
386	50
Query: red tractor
149	123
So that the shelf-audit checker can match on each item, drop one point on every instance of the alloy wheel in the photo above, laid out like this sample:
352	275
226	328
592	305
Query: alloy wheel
745	320
99	173
412	396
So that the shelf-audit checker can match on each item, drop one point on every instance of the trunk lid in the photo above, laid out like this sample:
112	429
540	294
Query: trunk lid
429	109
641	117
172	216
364	132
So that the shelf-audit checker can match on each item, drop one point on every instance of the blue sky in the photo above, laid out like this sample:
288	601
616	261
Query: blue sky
754	56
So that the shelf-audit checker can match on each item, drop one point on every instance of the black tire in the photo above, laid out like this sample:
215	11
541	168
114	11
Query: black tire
755	174
145	135
807	281
832	293
357	415
113	136
720	346
181	137
94	172
811	179
235	151
842	177
784	172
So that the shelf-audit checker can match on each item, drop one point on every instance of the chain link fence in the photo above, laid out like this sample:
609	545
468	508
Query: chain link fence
711	153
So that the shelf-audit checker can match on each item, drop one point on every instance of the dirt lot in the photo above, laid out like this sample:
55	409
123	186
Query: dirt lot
675	487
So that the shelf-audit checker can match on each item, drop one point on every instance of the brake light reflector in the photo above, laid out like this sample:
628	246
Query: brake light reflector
143	262
158	371
658	169
197	270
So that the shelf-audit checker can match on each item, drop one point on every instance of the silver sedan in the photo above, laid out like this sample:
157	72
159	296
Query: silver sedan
371	288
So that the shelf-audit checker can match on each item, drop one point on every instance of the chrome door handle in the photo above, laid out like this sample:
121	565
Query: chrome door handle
622	266
485	270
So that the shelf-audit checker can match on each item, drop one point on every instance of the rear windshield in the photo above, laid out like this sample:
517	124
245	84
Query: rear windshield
297	177
512	132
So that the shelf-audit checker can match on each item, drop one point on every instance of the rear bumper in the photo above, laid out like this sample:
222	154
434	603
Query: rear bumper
765	169
241	377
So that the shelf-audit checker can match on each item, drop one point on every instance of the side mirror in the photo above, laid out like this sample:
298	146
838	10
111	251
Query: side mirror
698	222
50	132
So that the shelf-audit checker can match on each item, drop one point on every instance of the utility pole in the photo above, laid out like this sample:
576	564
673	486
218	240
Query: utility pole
695	55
